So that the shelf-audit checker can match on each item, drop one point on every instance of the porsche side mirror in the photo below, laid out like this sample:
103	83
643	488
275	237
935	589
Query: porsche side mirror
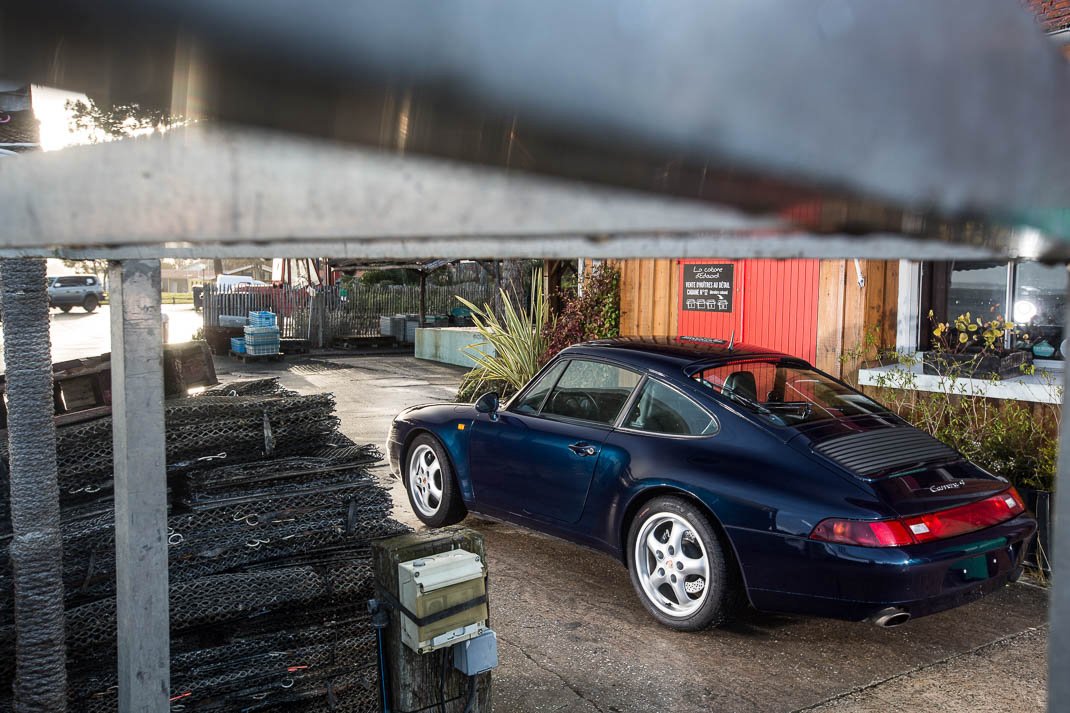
488	403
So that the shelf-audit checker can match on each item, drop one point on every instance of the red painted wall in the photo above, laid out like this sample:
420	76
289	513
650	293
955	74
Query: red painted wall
774	305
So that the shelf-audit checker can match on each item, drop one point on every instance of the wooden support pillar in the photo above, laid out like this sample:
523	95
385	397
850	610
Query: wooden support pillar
414	679
140	487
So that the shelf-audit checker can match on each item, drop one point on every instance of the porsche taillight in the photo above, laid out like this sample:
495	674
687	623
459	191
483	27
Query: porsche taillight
919	529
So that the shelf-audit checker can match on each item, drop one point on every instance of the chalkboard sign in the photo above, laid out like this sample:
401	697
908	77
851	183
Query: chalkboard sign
708	288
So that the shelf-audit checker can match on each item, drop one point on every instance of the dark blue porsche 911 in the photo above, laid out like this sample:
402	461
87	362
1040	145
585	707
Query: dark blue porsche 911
722	474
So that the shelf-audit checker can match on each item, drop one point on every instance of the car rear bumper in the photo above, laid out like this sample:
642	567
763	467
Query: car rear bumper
794	574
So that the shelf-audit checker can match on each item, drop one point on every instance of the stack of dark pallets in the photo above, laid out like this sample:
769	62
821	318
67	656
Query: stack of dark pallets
271	511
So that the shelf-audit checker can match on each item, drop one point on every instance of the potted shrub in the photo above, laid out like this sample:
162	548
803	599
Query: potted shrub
974	348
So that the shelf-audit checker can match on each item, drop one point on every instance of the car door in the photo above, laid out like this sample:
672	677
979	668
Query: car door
537	458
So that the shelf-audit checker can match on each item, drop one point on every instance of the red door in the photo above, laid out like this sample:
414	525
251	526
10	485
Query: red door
774	305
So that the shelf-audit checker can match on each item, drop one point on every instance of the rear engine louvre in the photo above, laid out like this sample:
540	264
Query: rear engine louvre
918	529
874	452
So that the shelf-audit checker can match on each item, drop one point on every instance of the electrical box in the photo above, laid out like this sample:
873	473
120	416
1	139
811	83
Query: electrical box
443	599
477	655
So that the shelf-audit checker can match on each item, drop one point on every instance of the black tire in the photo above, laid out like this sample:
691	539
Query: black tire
722	592
450	508
90	303
65	308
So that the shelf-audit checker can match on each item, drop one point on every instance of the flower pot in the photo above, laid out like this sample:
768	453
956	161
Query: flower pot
976	364
1039	552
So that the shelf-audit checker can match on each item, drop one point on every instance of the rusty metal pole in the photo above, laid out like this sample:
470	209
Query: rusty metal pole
36	545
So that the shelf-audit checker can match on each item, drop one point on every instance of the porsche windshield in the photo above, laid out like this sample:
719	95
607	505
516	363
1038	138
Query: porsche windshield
786	394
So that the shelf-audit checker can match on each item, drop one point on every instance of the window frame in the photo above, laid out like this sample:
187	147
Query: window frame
519	397
935	289
568	419
630	404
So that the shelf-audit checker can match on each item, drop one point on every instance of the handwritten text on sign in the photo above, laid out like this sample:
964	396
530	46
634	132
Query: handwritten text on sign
708	288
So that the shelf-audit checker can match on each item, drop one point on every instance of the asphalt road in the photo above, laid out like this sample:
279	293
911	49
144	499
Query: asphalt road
574	638
82	334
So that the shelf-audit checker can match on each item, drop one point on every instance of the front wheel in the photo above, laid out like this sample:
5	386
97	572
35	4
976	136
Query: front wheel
65	308
679	566
431	485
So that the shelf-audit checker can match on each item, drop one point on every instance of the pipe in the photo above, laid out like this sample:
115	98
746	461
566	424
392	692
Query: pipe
891	617
36	546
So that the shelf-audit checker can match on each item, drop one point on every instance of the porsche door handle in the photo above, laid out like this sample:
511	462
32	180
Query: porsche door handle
583	449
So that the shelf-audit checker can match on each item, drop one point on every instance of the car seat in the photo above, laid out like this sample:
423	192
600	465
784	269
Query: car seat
742	384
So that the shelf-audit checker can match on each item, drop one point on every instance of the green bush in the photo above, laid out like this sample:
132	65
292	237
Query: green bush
592	314
1014	439
517	338
473	385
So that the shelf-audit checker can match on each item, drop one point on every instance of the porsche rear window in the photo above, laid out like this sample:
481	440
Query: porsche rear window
786	394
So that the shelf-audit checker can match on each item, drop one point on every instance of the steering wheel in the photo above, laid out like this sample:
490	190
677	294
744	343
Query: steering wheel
577	404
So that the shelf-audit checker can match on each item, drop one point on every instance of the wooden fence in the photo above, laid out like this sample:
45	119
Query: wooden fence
324	315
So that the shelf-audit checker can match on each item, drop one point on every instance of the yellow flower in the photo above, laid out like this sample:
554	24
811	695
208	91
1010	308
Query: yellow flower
963	338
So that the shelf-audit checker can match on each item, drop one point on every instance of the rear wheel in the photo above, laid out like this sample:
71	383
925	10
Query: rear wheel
90	303
431	485
679	566
65	308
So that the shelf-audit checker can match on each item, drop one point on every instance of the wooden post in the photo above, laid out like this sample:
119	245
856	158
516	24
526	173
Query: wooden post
415	680
140	487
423	298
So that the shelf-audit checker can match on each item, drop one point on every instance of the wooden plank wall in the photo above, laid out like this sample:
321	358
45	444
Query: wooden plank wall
649	305
649	290
855	322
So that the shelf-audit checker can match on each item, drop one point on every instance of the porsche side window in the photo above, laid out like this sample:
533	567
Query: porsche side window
531	402
591	391
786	393
660	409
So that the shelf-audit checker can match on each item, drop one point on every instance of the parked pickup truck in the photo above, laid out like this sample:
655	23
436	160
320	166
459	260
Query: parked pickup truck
71	291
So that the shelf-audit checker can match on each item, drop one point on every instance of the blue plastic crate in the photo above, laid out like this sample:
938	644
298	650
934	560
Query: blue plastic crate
263	318
272	332
237	345
262	349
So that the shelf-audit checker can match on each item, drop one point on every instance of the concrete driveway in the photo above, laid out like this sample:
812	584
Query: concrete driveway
574	638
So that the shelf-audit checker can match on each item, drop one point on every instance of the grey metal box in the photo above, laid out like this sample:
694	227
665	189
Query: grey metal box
477	655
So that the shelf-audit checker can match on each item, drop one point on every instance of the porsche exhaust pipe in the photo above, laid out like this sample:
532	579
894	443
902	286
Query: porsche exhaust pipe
891	617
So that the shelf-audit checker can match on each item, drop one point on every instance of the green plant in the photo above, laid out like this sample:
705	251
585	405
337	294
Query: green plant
474	385
517	338
1010	438
590	313
970	333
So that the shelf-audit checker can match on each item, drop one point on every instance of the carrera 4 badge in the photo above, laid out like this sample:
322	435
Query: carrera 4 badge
946	486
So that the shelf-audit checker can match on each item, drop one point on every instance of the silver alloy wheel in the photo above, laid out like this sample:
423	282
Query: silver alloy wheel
671	564
425	480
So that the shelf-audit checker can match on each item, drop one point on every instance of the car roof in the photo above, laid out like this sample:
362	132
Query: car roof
673	353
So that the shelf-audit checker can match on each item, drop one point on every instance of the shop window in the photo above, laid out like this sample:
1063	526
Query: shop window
1030	294
1039	305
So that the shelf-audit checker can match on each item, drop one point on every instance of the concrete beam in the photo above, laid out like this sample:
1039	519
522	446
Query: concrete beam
142	606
